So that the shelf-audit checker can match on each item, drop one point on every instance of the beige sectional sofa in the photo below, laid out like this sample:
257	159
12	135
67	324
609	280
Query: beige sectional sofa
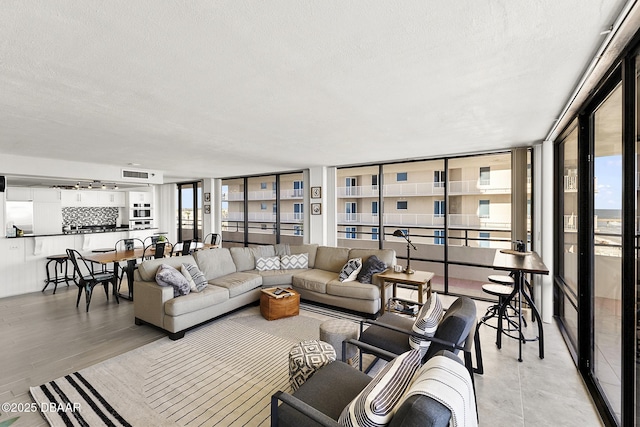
233	282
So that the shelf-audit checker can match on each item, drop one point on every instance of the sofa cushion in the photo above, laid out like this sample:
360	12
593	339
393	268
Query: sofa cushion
272	278
310	249
353	289
426	322
268	263
214	263
372	265
388	256
331	259
148	268
314	280
350	270
294	262
211	295
376	403
238	283
282	249
243	258
169	276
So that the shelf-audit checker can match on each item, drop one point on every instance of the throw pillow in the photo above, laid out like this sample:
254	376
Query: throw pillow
291	262
377	402
427	322
169	276
370	267
196	278
350	270
268	263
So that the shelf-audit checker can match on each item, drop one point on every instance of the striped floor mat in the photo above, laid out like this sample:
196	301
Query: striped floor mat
221	374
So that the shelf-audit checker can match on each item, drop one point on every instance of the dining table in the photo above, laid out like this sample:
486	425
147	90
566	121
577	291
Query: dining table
131	257
520	264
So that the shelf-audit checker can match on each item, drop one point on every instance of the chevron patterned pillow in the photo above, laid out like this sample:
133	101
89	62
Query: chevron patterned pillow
291	262
268	263
350	270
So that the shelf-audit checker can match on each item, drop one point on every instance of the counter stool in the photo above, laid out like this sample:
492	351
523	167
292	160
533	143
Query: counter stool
501	279
59	260
306	357
336	331
502	292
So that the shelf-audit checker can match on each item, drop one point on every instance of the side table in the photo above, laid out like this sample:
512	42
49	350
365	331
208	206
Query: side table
421	280
273	308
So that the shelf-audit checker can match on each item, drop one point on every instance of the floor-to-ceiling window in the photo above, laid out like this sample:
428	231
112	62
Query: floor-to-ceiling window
596	298
265	209
457	212
189	211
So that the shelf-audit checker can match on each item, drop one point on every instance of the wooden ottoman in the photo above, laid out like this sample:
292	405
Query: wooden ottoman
274	307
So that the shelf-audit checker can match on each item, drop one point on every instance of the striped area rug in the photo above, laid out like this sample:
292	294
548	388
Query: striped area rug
221	374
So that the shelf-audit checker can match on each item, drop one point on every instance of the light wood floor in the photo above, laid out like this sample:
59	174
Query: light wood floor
44	337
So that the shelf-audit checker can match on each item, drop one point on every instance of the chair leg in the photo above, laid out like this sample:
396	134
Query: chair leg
106	289
476	343
88	291
79	295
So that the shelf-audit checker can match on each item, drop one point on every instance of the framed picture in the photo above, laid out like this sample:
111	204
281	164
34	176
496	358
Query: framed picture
316	208
207	197
316	192
207	208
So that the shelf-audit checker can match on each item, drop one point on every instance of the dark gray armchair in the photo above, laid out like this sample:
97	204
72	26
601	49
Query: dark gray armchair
321	399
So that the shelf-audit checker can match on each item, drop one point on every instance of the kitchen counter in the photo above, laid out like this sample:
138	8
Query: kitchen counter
84	231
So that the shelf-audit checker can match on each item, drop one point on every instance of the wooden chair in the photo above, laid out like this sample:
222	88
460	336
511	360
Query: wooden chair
87	279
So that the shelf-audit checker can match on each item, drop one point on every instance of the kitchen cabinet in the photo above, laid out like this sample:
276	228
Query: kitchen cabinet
19	194
46	195
140	197
47	217
111	199
79	198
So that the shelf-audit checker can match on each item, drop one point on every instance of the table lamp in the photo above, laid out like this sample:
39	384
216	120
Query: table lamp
400	233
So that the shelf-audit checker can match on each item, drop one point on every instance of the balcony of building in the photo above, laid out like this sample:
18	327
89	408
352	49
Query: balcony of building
269	217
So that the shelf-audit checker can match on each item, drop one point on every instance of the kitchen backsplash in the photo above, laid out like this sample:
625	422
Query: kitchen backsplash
89	216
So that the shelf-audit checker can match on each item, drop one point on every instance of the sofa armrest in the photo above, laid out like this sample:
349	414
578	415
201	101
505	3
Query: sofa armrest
148	302
301	407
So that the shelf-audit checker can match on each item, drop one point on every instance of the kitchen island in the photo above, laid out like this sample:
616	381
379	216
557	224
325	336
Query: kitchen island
24	258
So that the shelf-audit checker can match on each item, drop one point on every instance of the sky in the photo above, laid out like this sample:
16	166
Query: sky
608	171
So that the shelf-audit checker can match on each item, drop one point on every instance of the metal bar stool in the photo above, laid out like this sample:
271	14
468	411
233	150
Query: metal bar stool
59	260
502	292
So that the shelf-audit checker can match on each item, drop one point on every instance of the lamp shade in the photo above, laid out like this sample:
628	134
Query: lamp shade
399	233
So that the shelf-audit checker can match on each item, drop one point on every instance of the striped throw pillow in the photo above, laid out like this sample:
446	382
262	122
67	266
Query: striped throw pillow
376	404
427	322
196	278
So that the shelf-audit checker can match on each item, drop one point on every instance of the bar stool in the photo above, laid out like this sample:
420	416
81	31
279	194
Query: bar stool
59	260
501	279
502	292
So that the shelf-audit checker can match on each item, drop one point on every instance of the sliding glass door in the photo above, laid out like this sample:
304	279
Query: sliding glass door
189	211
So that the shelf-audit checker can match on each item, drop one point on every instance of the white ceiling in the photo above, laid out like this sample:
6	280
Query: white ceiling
226	88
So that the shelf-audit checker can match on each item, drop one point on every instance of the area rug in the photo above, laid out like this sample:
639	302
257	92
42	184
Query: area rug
220	374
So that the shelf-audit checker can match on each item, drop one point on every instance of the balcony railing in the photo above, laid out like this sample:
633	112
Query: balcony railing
479	187
424	220
291	217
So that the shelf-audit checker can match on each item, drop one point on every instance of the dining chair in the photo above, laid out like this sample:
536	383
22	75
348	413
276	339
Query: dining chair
87	279
185	248
212	238
155	251
127	245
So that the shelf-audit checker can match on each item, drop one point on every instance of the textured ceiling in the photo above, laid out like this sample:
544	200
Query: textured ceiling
223	88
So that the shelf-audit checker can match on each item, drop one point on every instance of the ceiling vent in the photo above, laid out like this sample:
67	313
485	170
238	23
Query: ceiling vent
135	174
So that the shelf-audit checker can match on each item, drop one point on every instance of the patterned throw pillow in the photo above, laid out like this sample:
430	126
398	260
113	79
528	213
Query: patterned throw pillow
427	322
350	270
376	404
192	273
370	267
268	263
292	262
169	276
